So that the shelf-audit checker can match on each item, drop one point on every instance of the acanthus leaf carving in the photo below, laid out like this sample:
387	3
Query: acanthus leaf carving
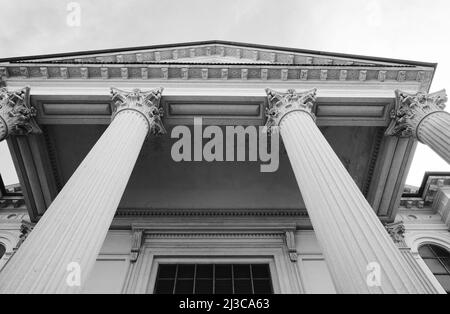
411	109
147	103
16	113
281	104
396	231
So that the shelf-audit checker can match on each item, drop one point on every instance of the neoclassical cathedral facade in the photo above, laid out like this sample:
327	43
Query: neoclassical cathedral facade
103	206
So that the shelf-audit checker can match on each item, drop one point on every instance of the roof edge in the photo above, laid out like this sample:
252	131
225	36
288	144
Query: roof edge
218	42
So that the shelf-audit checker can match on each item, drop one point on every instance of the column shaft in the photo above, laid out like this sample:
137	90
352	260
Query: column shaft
75	225
434	131
349	232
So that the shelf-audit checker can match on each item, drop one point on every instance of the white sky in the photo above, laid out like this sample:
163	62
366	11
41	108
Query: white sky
404	29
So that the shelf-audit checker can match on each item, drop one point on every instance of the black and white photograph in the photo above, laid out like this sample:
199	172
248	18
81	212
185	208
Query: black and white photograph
224	155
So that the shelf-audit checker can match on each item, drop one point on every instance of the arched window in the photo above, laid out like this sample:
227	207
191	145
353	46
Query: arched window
438	261
2	250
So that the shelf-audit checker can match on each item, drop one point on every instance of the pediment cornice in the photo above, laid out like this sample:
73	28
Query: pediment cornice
215	61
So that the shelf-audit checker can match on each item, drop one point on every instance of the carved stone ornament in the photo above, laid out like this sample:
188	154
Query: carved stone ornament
25	229
291	246
138	237
280	104
147	103
396	231
411	109
16	113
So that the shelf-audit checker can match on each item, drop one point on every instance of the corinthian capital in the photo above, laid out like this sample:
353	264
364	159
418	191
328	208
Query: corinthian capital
396	231
411	109
16	113
147	103
281	104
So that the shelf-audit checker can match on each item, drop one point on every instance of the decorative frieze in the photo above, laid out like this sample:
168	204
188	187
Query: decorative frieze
150	212
224	74
238	53
13	203
412	202
221	51
165	73
157	56
205	74
144	73
104	72
303	75
124	73
255	55
64	73
381	76
273	57
215	235
16	113
184	73
280	104
284	74
94	72
401	77
290	59
84	72
146	103
44	72
264	74
24	72
420	76
244	74
4	72
362	75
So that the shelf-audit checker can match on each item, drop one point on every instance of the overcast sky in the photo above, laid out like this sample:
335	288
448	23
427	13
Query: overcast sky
404	29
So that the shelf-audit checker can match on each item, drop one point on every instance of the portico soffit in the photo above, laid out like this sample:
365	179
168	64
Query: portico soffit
220	110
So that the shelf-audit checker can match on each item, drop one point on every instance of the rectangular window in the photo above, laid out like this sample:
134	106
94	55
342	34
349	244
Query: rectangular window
213	279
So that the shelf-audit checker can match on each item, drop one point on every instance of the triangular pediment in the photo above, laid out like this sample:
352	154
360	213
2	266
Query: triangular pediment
216	60
213	52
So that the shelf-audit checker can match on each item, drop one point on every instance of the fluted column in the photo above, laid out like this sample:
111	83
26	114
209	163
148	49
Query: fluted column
396	231
353	240
16	113
69	236
422	116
